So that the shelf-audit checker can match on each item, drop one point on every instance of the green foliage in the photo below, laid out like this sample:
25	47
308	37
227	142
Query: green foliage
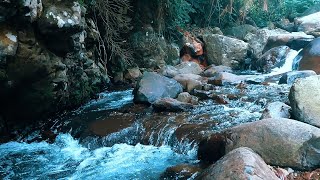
172	15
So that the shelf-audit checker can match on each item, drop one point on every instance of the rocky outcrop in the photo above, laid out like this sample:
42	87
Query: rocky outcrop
152	87
311	57
223	50
290	77
309	24
242	163
304	99
280	142
45	66
273	58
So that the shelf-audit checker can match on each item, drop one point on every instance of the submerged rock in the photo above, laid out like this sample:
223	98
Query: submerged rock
304	99
280	142
169	104
152	87
241	163
290	77
181	171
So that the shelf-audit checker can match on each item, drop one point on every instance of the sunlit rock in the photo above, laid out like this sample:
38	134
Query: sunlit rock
280	142
304	99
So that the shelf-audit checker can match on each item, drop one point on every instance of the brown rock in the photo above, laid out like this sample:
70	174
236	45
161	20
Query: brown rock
304	99
280	142
242	164
189	81
311	57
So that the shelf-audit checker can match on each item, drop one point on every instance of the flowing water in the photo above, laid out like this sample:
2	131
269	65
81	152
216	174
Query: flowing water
111	138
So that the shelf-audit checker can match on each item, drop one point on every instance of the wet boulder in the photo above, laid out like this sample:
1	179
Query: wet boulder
273	58
170	104
181	171
189	82
241	163
290	77
276	110
152	87
280	142
304	99
223	50
311	57
309	24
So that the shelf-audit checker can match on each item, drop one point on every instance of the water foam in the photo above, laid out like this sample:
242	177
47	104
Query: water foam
67	159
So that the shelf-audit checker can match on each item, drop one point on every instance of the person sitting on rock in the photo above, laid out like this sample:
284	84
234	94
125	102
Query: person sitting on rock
193	51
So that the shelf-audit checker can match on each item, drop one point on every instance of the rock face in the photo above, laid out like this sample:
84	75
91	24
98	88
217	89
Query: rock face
241	163
304	99
223	50
280	142
311	57
45	67
290	77
152	87
273	58
309	24
276	110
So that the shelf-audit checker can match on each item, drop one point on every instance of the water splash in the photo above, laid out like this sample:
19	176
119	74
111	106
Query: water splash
67	159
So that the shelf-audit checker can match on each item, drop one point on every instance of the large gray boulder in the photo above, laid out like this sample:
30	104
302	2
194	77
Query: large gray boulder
309	24
223	50
304	99
241	163
259	40
280	142
153	86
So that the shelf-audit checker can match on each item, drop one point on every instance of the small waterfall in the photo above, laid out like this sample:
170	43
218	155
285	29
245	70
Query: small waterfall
287	65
